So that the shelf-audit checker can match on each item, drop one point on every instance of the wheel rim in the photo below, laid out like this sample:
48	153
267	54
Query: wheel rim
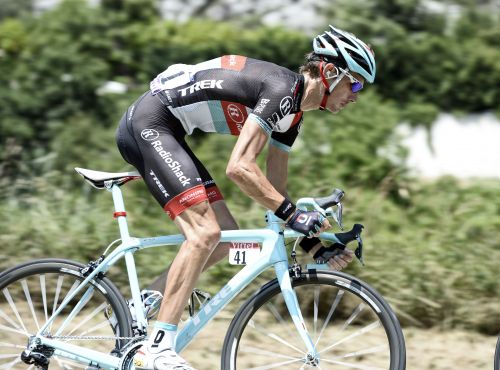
27	303
347	332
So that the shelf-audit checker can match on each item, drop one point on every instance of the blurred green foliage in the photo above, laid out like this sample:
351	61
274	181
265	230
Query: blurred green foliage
431	248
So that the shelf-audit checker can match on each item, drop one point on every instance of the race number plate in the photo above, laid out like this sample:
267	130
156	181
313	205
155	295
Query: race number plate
243	253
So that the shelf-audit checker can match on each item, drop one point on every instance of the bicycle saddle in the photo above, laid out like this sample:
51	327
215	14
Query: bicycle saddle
98	179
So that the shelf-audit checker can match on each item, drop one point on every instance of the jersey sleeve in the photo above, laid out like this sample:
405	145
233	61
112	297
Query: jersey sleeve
285	140
275	103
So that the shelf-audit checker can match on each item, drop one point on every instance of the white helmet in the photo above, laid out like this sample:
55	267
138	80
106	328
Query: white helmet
337	46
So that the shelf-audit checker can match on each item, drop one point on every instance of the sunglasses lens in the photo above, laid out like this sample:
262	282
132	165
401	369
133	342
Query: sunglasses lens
356	86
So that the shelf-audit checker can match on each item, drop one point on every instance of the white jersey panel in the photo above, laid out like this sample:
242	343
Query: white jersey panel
197	112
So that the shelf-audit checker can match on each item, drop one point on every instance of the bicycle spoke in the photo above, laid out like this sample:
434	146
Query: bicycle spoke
335	303
76	310
272	308
13	307
89	317
27	294
60	281
352	366
258	351
6	328
354	315
276	364
104	324
44	296
316	305
9	320
361	331
13	355
363	352
274	336
11	364
10	345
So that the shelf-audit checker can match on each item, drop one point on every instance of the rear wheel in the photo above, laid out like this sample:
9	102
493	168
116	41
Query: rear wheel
32	292
350	323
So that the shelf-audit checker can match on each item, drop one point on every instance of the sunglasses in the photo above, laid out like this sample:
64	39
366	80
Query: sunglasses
356	85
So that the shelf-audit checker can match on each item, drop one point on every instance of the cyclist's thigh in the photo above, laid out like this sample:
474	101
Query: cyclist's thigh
224	217
167	169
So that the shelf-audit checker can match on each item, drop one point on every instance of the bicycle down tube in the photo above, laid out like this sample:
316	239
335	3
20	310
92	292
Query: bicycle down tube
273	253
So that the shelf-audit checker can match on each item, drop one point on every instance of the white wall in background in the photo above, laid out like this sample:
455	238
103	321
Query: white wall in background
464	147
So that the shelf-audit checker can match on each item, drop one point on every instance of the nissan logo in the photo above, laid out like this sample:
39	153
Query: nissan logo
149	134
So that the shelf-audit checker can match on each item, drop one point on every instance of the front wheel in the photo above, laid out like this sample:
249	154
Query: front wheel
351	325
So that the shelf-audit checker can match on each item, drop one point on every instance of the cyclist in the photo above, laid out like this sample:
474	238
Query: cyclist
257	101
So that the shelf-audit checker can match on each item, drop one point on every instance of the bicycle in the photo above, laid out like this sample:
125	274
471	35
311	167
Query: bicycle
307	317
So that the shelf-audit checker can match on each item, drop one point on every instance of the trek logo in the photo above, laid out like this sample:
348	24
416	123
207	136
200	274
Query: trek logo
235	114
201	85
149	134
159	184
214	302
174	165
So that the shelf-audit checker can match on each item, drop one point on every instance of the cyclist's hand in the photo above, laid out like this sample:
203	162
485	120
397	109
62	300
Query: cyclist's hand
309	223
336	258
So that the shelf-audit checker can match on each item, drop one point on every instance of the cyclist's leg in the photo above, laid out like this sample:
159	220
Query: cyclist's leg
224	218
199	226
226	221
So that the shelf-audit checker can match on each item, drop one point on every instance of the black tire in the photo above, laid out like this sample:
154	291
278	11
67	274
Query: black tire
47	282
242	349
497	356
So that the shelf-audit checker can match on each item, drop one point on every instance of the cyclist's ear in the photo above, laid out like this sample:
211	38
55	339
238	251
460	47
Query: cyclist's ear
330	70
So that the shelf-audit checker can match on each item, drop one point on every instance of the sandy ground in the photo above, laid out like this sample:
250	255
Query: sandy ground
425	349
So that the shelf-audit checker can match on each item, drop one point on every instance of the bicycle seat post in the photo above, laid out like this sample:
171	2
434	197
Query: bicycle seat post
120	213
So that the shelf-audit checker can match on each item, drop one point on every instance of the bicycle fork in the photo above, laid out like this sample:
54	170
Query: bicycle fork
292	303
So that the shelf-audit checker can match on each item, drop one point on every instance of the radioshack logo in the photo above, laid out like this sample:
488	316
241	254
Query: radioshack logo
235	113
149	134
286	105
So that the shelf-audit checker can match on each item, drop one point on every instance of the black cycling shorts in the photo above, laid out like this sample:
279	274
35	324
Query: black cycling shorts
151	139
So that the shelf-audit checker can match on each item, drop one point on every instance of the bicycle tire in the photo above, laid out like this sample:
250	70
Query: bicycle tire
27	293
248	322
496	362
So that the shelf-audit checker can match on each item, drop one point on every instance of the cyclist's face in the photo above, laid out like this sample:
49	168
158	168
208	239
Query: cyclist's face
342	94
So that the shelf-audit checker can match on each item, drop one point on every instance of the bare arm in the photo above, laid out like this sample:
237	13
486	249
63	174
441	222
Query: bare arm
277	169
243	170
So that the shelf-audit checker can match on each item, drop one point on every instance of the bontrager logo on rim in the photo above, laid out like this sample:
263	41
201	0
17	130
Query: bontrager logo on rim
149	134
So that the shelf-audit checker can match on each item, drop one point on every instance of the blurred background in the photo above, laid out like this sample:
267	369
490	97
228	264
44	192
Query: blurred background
418	155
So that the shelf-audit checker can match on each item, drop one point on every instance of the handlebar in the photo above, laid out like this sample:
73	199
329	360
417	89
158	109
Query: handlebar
324	206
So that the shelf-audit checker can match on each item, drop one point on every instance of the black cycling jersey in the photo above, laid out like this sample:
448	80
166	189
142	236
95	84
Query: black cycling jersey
214	96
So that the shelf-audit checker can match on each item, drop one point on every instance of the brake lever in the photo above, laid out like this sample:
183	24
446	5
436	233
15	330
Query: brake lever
337	216
359	250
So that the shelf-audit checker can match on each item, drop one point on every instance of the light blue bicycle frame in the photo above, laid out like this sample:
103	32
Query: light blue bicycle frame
273	253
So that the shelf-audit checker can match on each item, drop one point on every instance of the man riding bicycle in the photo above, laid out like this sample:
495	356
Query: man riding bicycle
257	101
